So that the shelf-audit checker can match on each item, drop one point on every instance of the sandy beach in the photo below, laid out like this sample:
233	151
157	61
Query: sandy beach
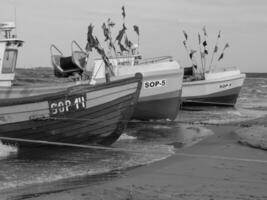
218	167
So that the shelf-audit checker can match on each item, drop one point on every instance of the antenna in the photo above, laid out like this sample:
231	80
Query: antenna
15	17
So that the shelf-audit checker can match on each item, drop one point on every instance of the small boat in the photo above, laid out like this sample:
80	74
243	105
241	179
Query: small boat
205	84
160	96
75	112
220	88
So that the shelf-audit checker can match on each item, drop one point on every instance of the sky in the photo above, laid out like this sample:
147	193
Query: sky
243	24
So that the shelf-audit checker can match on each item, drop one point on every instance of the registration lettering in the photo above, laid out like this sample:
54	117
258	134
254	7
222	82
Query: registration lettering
69	104
155	84
122	63
225	85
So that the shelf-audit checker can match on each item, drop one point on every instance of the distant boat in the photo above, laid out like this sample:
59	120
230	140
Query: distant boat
160	96
204	84
219	88
76	113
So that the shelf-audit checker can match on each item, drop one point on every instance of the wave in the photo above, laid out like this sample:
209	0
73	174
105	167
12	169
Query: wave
124	136
7	150
26	172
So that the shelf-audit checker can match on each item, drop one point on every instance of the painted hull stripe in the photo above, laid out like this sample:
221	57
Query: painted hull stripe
157	109
17	95
98	101
235	90
100	93
22	108
43	108
92	113
28	115
24	112
175	94
208	82
91	96
218	99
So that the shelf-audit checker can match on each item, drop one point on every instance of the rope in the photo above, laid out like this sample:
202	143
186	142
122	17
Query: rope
203	156
212	124
156	59
102	63
166	123
177	123
74	119
215	157
63	144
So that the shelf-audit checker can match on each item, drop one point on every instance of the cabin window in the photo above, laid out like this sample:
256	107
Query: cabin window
10	60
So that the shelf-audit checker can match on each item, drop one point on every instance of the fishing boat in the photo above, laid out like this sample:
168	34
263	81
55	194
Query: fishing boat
73	113
206	84
220	88
160	95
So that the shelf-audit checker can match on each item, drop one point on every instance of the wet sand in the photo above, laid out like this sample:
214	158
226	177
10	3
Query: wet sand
253	133
218	167
254	136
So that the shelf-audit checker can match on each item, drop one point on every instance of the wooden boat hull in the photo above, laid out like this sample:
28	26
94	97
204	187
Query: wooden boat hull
160	95
79	115
220	91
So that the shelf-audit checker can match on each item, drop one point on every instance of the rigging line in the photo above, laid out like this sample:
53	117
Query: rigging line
91	119
176	123
80	119
15	17
102	63
211	124
69	119
171	124
98	147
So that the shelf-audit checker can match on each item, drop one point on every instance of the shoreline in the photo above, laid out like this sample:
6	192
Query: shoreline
217	167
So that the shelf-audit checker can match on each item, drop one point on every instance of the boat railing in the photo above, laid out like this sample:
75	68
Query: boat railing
79	56
224	69
54	47
155	60
63	65
73	44
55	58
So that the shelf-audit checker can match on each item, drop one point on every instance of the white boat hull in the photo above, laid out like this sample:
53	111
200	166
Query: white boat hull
160	95
221	88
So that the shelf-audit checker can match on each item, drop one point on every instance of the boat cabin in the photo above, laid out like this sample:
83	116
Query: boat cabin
116	61
9	45
191	74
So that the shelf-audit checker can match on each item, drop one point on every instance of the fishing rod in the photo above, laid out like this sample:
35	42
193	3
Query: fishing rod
215	49
205	46
189	50
201	55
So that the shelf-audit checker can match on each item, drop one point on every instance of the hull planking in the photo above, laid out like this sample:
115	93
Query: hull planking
79	115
